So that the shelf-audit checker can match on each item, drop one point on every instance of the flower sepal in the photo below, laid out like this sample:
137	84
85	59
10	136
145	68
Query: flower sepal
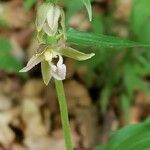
49	68
73	53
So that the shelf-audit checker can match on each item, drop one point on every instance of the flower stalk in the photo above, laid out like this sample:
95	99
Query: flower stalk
51	35
64	114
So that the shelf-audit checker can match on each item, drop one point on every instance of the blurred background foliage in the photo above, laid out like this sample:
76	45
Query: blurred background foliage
114	76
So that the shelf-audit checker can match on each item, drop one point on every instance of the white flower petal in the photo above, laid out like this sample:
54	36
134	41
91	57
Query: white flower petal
53	16
32	62
47	29
41	16
57	14
58	72
60	61
50	16
55	29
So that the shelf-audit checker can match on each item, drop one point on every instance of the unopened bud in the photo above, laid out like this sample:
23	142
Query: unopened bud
48	18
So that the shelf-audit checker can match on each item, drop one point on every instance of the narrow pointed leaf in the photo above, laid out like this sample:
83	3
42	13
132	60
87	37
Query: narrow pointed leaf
72	53
45	69
91	39
41	15
87	4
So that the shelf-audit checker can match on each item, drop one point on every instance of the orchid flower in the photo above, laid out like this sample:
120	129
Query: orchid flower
47	18
47	55
50	57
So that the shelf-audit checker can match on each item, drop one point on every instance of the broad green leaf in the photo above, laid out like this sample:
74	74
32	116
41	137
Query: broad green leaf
9	63
72	53
140	21
5	45
87	4
45	69
91	39
41	15
97	23
132	137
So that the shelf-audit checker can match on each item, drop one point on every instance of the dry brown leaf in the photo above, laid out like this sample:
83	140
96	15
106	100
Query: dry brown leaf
123	9
13	14
87	122
33	88
80	21
6	134
5	103
32	119
76	94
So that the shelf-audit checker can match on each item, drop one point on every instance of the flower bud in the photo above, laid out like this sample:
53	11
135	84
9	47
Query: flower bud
48	16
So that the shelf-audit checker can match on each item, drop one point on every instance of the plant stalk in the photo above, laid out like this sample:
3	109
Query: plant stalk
64	114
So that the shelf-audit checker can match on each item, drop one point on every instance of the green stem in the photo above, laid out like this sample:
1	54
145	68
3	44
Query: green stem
64	114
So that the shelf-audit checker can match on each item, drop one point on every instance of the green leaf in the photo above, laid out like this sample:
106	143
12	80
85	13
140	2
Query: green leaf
105	97
130	138
125	103
140	21
9	63
45	69
72	7
72	53
87	4
5	45
29	3
91	39
97	23
133	82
